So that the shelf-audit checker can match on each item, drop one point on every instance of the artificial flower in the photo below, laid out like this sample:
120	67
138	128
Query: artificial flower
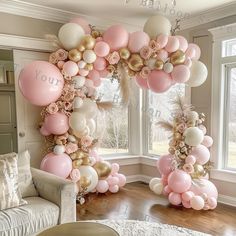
86	141
61	54
181	127
113	58
145	52
52	108
145	72
53	58
188	168
154	45
75	175
71	147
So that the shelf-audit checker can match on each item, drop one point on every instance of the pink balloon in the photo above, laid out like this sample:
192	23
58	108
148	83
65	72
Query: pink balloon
164	164
196	49
159	81
137	40
162	40
94	75
44	131
56	123
175	198
116	36
187	196
114	188
113	180
103	73
180	74
183	43
83	23
102	186
164	179
190	159
212	202
100	64
201	153
83	72
70	68
89	83
101	49
141	82
97	82
114	168
122	180
186	204
167	189
172	44
179	181
41	83
60	64
162	55
60	165
207	141
203	129
188	62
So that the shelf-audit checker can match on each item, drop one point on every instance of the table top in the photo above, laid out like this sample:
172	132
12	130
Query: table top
80	229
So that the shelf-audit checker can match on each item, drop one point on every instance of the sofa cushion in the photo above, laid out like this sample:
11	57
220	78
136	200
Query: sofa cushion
25	180
28	219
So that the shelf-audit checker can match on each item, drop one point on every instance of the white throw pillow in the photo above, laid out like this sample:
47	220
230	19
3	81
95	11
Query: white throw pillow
25	180
10	195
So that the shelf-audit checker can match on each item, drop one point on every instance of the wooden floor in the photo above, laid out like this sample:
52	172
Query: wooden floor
135	201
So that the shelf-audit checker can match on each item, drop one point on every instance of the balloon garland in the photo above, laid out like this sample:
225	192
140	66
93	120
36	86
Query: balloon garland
184	171
66	87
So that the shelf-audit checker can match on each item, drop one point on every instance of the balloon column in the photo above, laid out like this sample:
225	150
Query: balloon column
184	170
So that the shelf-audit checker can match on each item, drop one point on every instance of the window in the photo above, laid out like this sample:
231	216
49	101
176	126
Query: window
113	125
229	48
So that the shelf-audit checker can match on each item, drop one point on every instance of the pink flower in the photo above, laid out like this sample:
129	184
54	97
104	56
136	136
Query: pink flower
145	72
188	168
71	147
75	175
181	127
154	45
145	52
113	58
86	141
68	96
52	108
53	58
61	54
67	106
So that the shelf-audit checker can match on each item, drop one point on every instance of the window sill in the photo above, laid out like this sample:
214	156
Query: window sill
223	175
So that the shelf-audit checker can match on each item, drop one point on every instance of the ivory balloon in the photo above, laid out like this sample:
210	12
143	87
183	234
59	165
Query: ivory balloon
77	121
89	108
153	182
103	169
89	56
59	149
197	203
77	102
92	125
193	136
78	81
158	188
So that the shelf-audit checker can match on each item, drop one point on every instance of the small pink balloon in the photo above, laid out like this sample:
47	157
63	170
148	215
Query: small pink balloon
114	188
83	72
190	159
104	73
60	64
56	123
179	181
102	186
201	154
112	180
83	23
137	40
97	82
41	83
212	202
44	131
99	64
187	196
164	164
164	179
141	82
167	189
159	81
75	175
172	44
203	129
162	55
89	83
207	141
114	168
186	204
183	43
70	68
116	36
175	198
194	51
60	165
188	62
94	75
101	49
122	180
162	40
180	74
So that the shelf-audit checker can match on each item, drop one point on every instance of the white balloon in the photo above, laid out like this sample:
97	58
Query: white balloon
197	203
198	74
70	35
81	64
71	138
192	115
59	149
78	81
151	63
77	121
80	134
158	188
77	102
90	173
91	125
193	136
157	25
153	182
89	108
168	67
89	56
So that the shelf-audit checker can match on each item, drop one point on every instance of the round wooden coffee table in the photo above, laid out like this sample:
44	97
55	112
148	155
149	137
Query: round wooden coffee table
80	229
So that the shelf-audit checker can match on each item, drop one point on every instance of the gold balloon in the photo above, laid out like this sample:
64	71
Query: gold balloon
86	161
84	181
135	62
77	163
124	53
88	67
159	64
177	57
81	48
103	169
75	55
88	42
198	171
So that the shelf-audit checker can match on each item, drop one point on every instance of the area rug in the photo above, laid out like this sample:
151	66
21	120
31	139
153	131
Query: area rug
144	228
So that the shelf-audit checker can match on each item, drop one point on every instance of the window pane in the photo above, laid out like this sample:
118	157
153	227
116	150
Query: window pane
229	48
159	109
231	160
112	125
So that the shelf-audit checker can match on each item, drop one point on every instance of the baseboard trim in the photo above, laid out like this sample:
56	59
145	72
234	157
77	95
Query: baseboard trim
227	200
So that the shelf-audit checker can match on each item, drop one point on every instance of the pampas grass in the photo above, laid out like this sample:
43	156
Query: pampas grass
54	39
105	106
167	126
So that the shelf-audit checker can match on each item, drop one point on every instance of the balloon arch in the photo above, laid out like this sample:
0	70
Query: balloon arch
66	88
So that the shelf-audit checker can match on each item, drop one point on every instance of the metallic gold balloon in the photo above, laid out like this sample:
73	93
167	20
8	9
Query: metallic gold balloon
86	161
88	42
81	48
84	181
103	169
198	171
135	62
177	57
75	55
124	53
77	163
159	65
88	67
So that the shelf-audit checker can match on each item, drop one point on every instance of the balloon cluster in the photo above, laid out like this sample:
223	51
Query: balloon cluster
185	169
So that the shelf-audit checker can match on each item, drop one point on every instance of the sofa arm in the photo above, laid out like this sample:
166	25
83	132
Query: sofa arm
57	190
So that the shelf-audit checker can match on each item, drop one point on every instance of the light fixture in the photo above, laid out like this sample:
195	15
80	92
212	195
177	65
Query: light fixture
152	3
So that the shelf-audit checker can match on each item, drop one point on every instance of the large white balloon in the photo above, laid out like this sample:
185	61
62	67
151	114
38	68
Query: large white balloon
153	182
78	81
198	74
89	108
92	125
193	136
77	102
70	35
77	121
157	25
90	173
158	188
